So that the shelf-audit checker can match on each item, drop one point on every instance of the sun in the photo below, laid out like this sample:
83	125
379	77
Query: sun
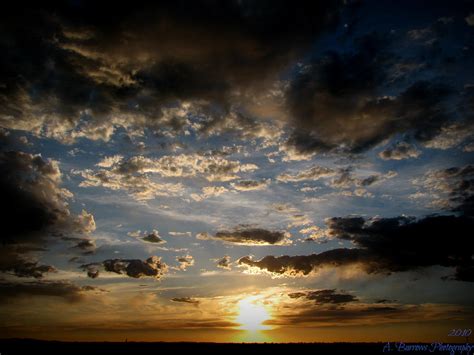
252	314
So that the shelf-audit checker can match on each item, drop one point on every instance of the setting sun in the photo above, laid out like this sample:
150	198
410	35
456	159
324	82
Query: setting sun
252	314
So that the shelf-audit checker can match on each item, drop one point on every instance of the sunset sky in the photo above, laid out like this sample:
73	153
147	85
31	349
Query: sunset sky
237	170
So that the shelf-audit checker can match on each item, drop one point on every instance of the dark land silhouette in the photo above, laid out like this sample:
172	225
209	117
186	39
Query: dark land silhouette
30	346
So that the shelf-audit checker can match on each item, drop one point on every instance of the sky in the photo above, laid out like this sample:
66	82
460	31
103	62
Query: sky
236	171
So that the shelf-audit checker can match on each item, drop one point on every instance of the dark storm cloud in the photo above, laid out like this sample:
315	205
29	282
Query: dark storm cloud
33	205
33	199
31	196
324	296
336	101
186	300
98	68
249	236
10	291
135	268
385	245
95	62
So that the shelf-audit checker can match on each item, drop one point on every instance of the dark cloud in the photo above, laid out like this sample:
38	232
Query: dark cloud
224	263
362	314
153	237
97	62
385	245
31	195
324	296
250	185
156	65
151	267
336	103
17	265
304	264
249	236
384	300
346	179
34	205
461	193
33	198
10	291
86	245
186	300
149	237
454	188
399	151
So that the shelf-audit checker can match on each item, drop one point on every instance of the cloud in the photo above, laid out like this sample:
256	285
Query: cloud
224	263
314	173
89	78
451	188
385	245
343	178
33	198
250	185
346	179
185	262
301	265
249	236
19	266
336	104
209	191
211	166
131	177
400	151
84	222
35	207
11	291
243	125
295	312
152	237
133	174
298	220
180	234
291	153
451	136
284	208
186	300
314	234
151	267
324	296
86	245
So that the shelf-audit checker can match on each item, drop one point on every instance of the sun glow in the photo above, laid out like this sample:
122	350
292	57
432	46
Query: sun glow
252	314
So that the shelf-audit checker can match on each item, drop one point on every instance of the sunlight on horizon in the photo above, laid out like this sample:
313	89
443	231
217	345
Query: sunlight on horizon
253	336
252	314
